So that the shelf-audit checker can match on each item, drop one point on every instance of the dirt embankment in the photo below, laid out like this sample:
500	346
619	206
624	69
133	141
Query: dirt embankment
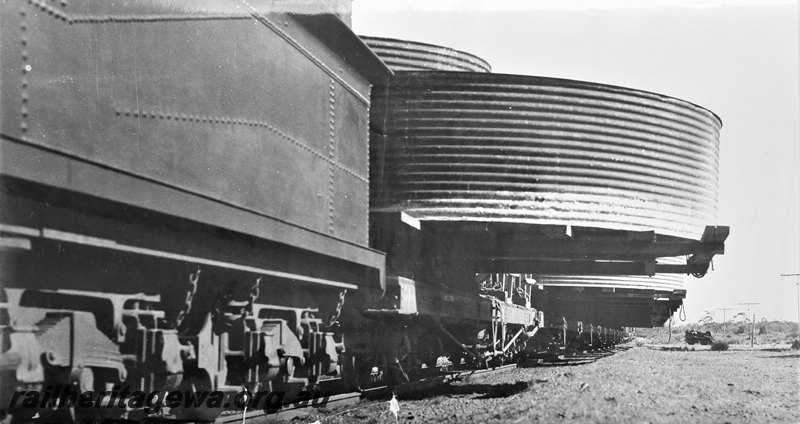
634	385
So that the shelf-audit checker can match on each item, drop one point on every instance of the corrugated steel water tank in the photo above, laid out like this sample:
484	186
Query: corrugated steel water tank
493	147
618	300
660	282
405	55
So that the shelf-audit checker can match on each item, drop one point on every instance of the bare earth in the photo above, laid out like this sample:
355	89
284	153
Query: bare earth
633	385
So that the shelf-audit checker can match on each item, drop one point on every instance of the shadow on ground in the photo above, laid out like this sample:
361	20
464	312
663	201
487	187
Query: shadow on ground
460	387
795	356
484	391
581	358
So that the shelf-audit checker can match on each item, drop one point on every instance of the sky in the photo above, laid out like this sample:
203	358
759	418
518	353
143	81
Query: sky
738	58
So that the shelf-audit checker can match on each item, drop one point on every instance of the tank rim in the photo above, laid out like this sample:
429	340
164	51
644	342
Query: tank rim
479	60
418	77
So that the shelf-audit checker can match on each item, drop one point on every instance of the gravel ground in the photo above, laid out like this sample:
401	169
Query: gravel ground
633	385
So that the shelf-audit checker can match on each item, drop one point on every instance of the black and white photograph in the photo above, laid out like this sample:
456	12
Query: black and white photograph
400	211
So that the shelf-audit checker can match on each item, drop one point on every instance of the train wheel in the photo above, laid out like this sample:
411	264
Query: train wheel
197	382
82	379
23	415
352	373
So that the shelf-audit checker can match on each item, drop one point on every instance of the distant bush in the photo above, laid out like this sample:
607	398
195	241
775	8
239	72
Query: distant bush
796	345
719	345
731	339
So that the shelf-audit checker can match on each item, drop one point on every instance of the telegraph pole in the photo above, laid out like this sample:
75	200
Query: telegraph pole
752	324
724	327
798	295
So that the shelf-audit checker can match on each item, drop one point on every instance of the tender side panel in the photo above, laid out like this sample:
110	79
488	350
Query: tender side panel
242	108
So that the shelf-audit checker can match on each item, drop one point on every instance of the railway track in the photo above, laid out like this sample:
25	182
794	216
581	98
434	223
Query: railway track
288	412
419	389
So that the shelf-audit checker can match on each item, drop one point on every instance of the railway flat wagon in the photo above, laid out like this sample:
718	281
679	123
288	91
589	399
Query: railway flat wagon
584	190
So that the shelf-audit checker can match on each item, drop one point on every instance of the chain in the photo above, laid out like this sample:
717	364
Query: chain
187	303
221	301
338	311
254	292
